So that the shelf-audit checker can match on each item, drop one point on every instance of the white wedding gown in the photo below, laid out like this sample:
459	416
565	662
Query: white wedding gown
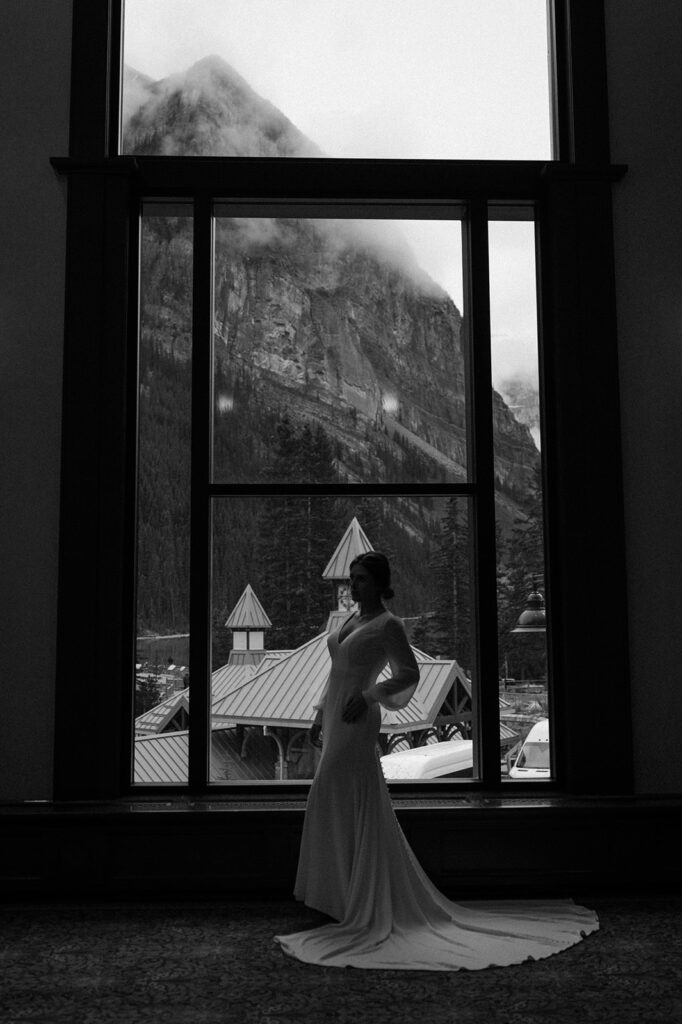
356	866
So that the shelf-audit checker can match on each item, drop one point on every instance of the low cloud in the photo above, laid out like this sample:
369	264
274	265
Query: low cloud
381	240
209	109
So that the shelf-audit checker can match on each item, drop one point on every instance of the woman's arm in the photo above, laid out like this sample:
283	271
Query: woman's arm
397	691
318	708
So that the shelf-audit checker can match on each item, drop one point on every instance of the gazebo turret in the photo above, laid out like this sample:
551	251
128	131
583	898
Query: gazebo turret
353	543
248	623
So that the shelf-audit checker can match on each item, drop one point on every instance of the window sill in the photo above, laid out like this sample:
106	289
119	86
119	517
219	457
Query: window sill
550	803
222	849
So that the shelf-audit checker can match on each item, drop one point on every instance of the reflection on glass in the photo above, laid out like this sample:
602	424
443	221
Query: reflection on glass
419	79
163	496
338	324
522	639
280	586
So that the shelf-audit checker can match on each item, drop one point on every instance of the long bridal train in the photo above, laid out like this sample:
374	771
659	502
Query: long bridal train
356	866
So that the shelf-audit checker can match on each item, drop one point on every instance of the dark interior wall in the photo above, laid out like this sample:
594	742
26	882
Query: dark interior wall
35	53
645	92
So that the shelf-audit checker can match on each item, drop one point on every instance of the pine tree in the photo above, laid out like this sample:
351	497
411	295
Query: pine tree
446	631
463	595
520	566
279	537
297	534
325	524
147	694
442	624
420	633
370	513
163	492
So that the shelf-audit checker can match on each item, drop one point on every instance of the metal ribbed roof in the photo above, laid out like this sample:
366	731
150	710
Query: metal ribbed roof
250	657
283	690
248	613
271	657
353	543
227	678
283	693
336	619
155	719
435	681
163	758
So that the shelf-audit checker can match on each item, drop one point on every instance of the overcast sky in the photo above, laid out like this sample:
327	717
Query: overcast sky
454	79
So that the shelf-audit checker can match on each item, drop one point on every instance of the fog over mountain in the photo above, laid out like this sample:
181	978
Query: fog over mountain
210	110
207	110
332	320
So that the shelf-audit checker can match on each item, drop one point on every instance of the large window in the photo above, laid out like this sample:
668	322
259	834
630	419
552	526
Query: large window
299	358
342	408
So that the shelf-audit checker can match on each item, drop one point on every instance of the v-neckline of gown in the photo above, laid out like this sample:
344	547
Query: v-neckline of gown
341	640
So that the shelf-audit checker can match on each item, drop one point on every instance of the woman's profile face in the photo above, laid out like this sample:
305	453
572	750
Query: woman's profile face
363	588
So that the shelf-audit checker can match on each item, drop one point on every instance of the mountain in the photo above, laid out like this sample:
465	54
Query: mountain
330	321
337	312
330	324
208	110
521	395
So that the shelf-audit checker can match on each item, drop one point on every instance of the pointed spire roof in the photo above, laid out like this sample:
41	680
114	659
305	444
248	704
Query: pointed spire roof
248	612
353	543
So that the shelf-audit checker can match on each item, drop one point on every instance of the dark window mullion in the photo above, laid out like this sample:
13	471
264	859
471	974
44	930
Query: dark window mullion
133	462
200	534
486	693
558	44
114	76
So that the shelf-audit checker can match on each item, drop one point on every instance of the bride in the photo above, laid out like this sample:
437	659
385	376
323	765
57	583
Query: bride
355	864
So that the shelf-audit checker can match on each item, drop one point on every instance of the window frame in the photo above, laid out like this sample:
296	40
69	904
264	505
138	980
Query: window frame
583	507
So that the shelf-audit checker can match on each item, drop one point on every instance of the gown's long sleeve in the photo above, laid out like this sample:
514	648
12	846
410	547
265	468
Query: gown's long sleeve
397	691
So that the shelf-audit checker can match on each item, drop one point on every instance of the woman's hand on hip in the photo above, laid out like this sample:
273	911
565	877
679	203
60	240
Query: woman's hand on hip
315	734
354	708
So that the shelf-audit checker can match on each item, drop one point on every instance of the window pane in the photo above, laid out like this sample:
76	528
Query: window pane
280	585
163	498
522	641
351	328
418	79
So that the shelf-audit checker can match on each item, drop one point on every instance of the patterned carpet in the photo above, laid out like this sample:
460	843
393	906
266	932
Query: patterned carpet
214	964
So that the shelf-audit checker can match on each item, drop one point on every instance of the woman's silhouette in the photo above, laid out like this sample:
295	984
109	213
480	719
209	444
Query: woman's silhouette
355	864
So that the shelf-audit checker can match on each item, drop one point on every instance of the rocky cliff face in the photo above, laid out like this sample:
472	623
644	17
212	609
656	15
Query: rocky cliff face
332	320
354	338
521	395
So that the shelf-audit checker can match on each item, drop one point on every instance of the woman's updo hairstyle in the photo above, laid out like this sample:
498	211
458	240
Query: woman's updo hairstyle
378	566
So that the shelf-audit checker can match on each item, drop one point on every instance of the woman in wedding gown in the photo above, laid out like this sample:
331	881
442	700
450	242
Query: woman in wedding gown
355	864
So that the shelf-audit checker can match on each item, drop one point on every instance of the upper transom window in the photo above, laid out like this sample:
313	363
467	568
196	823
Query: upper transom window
419	79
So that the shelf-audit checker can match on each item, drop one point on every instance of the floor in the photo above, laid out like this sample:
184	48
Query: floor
182	963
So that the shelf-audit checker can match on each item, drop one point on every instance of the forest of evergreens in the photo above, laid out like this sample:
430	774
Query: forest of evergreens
281	544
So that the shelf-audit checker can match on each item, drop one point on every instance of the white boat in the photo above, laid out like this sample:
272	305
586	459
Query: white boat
434	761
533	761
